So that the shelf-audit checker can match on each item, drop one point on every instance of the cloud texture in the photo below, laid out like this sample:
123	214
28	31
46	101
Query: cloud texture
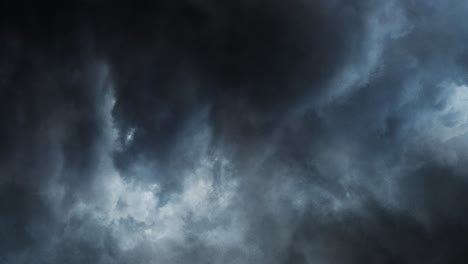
249	131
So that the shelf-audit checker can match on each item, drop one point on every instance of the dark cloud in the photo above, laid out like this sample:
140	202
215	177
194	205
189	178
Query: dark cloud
198	131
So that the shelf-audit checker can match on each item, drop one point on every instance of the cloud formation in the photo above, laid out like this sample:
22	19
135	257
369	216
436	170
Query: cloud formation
251	131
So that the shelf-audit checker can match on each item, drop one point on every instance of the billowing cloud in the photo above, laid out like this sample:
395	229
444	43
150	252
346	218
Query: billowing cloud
251	131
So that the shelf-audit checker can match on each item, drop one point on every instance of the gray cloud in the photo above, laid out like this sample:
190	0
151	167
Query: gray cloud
233	132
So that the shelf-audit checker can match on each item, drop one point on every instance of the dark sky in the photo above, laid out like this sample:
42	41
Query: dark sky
234	131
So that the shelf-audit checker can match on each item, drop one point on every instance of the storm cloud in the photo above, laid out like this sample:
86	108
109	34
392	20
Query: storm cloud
250	131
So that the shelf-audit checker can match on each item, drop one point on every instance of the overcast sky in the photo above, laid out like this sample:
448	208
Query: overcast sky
234	131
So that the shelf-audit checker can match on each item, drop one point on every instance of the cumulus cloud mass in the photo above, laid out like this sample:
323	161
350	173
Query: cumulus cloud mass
246	131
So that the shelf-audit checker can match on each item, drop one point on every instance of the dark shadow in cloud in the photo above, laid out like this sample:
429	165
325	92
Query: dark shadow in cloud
24	218
381	235
257	58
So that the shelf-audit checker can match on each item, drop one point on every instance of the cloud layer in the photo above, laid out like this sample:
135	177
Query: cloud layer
251	131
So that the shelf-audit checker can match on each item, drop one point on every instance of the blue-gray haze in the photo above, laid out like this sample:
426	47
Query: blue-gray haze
234	131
